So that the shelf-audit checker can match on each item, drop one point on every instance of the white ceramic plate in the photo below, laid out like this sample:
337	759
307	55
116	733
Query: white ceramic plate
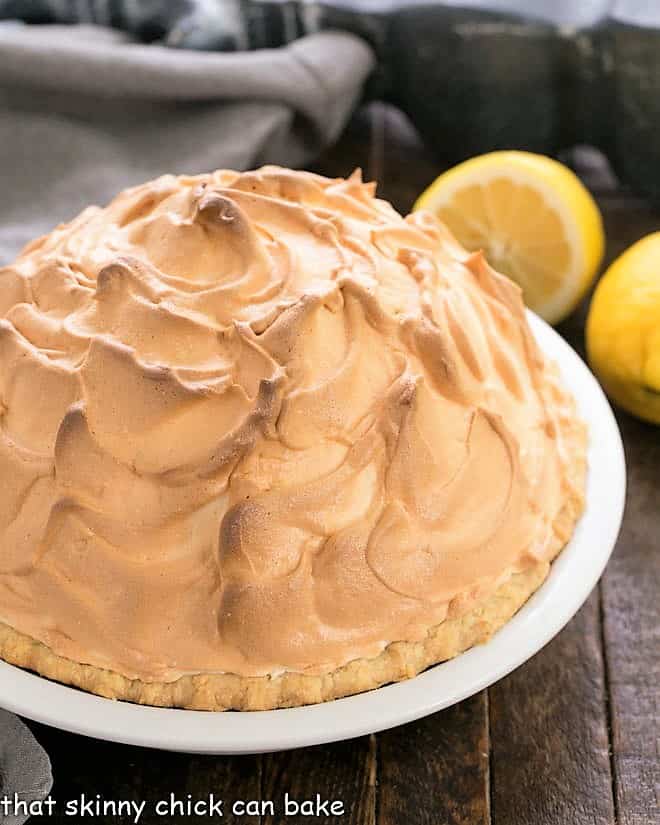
572	578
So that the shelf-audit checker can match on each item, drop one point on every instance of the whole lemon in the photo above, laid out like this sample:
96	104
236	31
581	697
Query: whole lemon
623	329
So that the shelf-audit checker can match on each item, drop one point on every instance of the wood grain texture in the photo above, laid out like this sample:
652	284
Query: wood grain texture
435	771
630	587
345	771
550	748
119	772
631	593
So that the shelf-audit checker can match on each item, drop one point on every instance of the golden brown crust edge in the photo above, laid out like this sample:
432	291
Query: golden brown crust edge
399	660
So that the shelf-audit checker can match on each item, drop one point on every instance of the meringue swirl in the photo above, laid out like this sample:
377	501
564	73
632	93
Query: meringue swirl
259	422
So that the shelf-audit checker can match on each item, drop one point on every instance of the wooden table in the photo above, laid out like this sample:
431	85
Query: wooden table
573	736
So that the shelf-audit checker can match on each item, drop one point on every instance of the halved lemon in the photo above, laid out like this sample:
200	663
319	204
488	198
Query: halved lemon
534	219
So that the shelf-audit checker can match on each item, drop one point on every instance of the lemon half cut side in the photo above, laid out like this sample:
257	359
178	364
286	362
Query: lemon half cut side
534	219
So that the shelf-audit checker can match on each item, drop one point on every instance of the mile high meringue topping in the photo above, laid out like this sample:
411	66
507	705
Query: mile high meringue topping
260	422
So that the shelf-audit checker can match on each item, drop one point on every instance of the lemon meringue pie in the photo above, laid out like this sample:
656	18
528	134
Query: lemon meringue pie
265	442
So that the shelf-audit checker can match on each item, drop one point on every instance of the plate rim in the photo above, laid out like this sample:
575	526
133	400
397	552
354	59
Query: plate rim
541	618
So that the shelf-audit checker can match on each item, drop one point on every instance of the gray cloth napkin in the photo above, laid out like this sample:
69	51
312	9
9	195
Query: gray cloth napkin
24	766
85	111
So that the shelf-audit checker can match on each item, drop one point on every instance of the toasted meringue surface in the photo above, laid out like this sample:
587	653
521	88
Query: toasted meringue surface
255	423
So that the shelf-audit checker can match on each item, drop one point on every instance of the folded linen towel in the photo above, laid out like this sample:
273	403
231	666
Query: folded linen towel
86	111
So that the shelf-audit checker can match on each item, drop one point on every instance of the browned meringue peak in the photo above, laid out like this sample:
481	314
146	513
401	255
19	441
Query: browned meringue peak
257	422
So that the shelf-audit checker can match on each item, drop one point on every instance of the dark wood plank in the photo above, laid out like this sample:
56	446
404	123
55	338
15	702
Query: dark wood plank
436	770
344	773
631	583
119	772
550	750
631	588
